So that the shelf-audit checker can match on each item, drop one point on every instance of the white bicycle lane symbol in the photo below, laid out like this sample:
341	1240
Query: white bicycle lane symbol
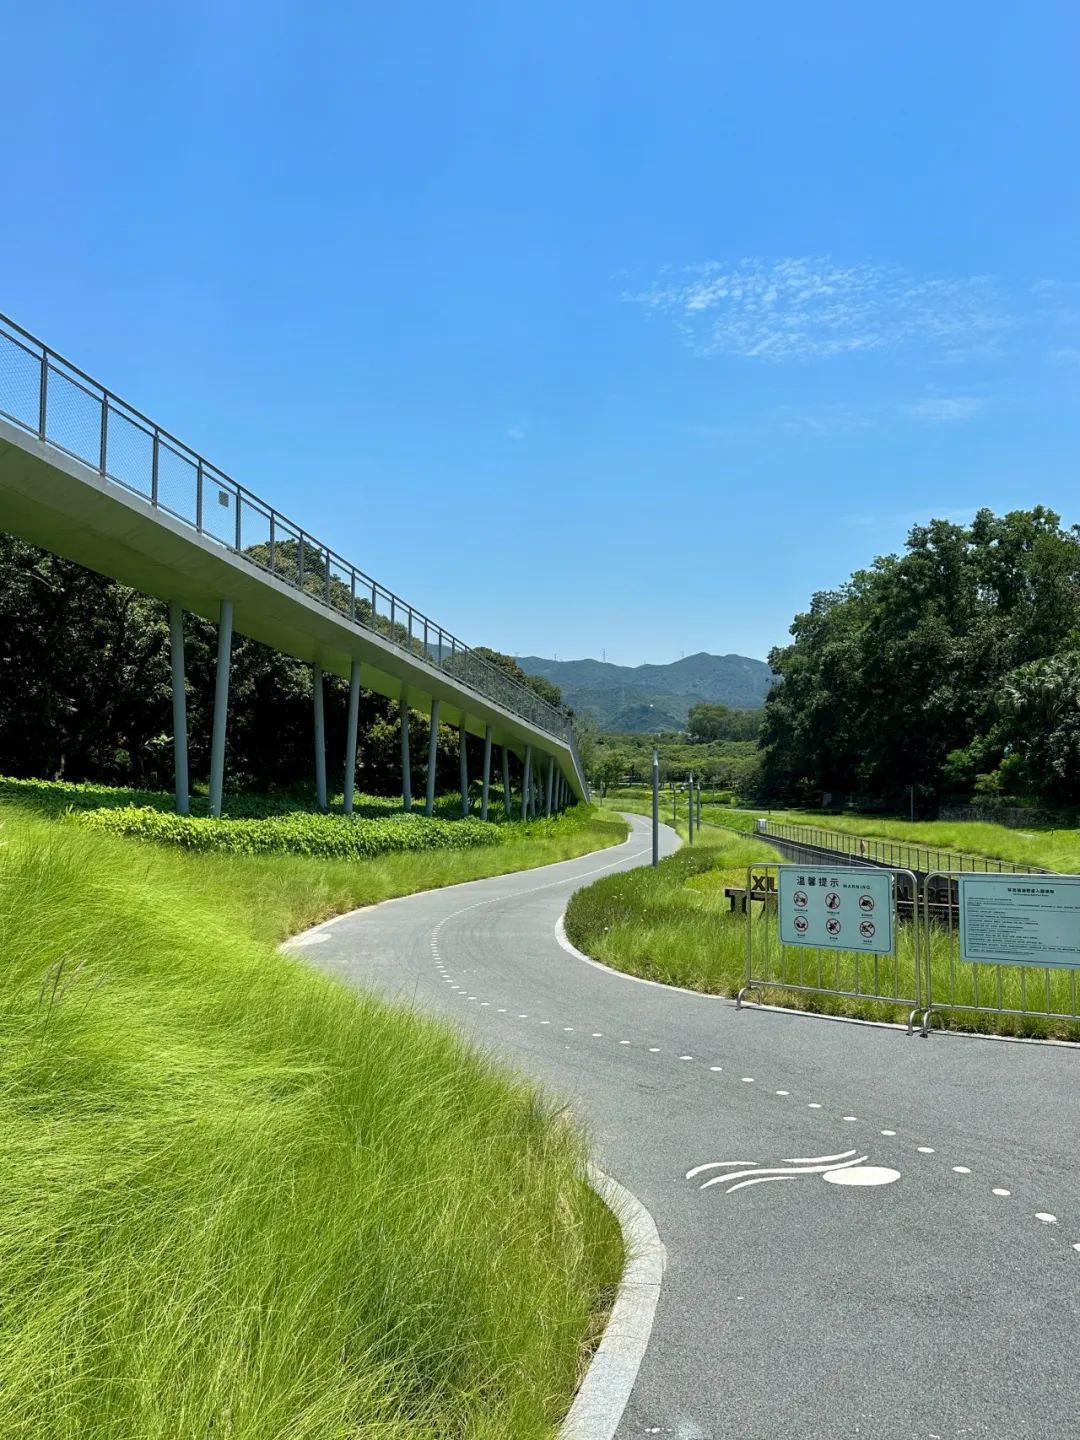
847	1168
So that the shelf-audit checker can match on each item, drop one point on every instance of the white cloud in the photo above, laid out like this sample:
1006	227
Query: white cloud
807	309
942	409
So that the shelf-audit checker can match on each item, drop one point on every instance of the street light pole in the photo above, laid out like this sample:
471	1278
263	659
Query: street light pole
655	808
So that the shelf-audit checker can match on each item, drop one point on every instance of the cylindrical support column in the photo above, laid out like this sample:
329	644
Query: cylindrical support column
406	771
690	807
655	808
463	766
699	804
508	804
179	706
548	788
526	784
352	726
485	793
432	757
319	705
221	707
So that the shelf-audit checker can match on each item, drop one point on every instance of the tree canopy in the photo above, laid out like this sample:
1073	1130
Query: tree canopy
954	667
87	691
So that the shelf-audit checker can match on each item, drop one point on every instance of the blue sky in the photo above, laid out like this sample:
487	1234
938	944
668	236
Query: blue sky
605	327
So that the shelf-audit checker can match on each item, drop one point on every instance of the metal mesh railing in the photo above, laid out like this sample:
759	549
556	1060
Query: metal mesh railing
902	854
47	396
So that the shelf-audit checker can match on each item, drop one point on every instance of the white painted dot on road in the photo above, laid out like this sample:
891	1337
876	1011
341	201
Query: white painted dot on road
1001	1192
654	1049
567	1027
624	1042
484	1002
888	1132
961	1170
1077	1245
545	1022
783	1092
851	1117
597	1034
813	1105
748	1079
686	1057
925	1150
472	997
1046	1217
502	1010
716	1068
862	1175
523	1017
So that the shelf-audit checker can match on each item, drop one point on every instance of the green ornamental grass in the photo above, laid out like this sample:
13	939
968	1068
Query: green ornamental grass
243	1200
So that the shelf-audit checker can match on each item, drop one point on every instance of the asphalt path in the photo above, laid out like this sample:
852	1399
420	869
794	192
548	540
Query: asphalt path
930	1290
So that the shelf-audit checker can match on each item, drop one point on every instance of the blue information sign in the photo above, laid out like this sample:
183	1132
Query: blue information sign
1020	920
836	909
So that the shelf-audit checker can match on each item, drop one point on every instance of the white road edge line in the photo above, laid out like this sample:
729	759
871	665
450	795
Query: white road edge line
571	949
599	1404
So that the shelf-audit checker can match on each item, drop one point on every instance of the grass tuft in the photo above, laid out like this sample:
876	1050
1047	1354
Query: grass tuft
244	1201
674	924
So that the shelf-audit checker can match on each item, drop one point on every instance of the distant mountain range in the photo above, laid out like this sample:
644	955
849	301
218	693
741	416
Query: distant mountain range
643	698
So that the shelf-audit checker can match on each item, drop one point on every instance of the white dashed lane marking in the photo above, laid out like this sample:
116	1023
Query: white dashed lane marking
849	1171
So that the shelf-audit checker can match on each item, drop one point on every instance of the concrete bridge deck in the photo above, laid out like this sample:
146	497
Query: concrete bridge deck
88	477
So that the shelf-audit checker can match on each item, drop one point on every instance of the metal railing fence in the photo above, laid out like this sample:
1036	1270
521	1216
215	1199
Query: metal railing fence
894	854
894	979
1040	992
49	397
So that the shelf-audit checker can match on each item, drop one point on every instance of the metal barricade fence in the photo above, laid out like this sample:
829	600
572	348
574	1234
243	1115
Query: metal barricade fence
894	979
978	988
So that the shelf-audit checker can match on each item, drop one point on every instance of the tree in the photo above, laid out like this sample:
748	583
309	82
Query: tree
898	677
707	723
544	688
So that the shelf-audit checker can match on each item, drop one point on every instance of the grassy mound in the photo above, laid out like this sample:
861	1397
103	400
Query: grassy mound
243	1201
286	825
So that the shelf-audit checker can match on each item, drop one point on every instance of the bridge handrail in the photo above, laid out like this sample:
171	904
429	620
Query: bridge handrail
46	395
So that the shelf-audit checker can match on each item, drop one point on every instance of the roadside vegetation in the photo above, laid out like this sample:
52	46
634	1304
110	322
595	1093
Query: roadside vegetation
674	924
280	825
243	1200
1041	846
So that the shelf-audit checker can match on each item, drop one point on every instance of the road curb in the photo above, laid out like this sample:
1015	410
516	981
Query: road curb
605	1391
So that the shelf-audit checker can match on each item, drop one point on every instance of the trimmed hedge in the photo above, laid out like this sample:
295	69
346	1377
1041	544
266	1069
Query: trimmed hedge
322	837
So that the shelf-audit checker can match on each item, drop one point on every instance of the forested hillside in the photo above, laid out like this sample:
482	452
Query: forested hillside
651	698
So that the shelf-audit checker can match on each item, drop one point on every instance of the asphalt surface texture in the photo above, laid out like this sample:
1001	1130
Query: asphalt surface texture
928	1285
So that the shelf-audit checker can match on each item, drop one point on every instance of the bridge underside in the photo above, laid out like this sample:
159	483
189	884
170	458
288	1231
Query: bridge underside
55	501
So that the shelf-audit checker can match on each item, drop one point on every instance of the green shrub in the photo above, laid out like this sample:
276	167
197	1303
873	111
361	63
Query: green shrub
320	837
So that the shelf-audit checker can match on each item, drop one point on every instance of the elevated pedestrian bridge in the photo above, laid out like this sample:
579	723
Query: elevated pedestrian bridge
87	476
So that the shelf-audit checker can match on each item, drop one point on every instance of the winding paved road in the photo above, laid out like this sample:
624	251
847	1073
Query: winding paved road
942	1303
